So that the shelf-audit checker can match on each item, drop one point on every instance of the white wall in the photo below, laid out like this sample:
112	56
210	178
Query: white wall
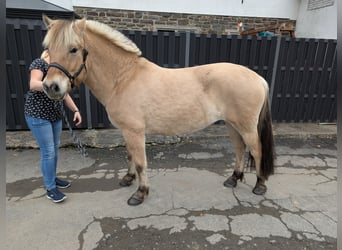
259	8
318	23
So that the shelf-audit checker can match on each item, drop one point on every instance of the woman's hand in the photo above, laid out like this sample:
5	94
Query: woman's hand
72	106
77	118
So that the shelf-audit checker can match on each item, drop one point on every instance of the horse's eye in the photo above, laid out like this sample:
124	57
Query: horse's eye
73	50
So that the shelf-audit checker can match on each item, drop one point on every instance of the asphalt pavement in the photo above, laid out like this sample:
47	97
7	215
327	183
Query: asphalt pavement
188	207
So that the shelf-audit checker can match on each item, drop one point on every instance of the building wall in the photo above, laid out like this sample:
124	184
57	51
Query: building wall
152	21
317	23
274	8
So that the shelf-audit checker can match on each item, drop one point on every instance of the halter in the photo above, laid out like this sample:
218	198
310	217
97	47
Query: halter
74	76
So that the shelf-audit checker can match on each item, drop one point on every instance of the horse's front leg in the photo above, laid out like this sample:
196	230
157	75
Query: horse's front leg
135	143
131	173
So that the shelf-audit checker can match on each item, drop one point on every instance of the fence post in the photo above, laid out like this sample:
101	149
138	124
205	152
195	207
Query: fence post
87	99
274	71
187	49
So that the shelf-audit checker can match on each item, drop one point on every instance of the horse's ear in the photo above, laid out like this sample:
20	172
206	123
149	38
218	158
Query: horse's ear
82	24
47	21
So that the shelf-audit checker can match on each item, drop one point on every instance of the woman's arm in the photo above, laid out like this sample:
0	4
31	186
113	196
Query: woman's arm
72	106
36	82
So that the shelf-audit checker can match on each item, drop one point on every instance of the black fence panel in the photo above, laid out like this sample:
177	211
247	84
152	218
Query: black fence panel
301	72
167	49
21	49
256	53
24	44
305	85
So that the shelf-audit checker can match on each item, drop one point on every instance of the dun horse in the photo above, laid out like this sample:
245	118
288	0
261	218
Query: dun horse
142	98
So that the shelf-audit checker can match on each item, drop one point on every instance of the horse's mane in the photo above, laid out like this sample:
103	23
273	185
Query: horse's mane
64	33
113	35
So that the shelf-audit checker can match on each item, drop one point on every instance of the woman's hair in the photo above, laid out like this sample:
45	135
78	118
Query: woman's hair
44	54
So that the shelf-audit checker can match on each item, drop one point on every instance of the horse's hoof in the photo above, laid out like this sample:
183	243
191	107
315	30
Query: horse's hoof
127	180
259	189
231	182
125	183
134	201
139	196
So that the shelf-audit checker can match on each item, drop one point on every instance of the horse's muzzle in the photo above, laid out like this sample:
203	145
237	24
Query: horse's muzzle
53	91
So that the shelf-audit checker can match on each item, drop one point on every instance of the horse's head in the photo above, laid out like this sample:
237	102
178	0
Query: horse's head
67	68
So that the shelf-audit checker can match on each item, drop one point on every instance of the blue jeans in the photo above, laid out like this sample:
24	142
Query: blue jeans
48	136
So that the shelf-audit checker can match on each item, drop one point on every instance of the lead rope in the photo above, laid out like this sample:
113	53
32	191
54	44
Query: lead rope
77	142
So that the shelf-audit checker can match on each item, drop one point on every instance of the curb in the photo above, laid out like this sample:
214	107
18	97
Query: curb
110	138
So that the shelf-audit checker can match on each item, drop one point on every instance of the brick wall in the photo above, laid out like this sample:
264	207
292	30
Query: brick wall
152	21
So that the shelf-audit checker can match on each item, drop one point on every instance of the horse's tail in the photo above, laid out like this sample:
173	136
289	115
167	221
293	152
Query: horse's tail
265	132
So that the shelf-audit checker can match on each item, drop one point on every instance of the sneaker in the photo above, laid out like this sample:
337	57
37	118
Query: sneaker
62	184
55	195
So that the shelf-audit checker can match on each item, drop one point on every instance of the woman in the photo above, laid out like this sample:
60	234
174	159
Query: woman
44	118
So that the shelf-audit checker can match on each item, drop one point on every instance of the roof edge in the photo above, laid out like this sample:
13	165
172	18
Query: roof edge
37	14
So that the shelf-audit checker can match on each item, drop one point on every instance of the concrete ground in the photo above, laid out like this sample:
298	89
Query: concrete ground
188	207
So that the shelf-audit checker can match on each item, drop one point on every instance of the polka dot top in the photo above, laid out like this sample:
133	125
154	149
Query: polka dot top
37	103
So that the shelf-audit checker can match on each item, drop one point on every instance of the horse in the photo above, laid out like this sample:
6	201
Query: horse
142	98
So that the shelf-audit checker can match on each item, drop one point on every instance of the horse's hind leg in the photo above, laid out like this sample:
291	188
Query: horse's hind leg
135	143
239	148
253	143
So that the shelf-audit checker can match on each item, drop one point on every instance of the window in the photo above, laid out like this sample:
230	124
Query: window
317	4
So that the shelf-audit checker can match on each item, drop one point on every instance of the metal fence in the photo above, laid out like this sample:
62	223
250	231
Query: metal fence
301	72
